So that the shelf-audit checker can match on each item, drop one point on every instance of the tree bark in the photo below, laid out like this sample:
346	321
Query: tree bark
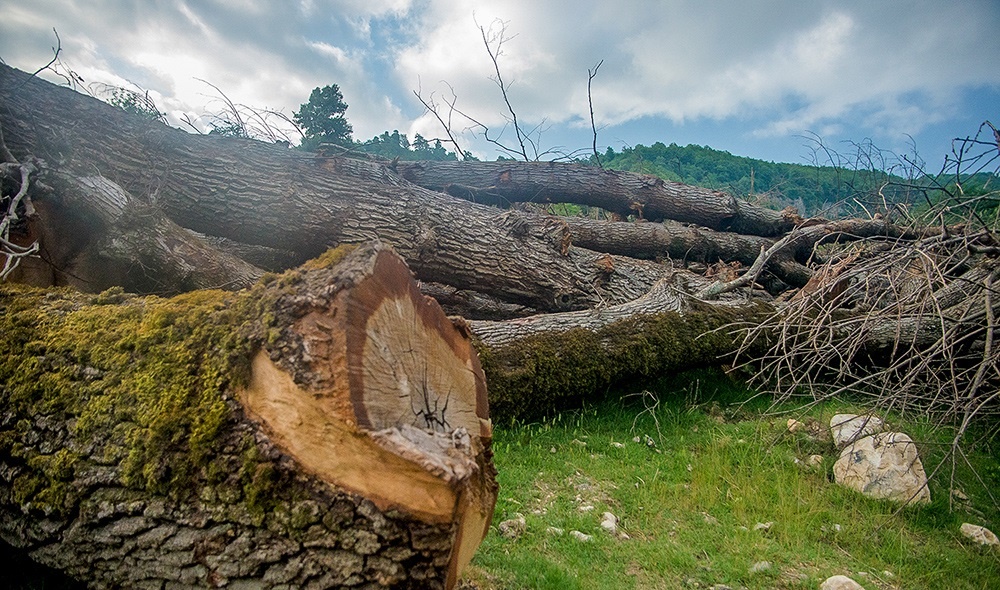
327	428
268	195
625	193
97	236
537	364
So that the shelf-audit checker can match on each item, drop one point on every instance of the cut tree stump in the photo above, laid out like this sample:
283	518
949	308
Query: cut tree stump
327	428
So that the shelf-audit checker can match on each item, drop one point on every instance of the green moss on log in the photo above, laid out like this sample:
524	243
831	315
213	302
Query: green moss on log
545	373
142	385
140	382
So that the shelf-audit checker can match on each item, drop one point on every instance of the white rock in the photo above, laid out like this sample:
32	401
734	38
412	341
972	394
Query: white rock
847	428
980	534
763	526
609	522
814	460
760	566
884	465
617	445
585	508
555	531
795	426
514	527
840	583
582	537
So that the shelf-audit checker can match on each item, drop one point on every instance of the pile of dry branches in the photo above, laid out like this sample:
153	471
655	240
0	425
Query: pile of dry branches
909	321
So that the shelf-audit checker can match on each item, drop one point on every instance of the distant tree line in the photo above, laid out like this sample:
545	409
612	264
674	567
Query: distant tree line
811	189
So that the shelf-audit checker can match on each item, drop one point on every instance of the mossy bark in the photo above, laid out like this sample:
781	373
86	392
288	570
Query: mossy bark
129	458
536	370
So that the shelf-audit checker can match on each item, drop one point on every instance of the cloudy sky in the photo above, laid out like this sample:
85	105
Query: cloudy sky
754	77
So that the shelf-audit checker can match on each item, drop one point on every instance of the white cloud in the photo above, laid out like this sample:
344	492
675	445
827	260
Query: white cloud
786	65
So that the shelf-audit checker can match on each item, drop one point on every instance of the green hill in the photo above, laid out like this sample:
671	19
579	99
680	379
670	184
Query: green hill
814	190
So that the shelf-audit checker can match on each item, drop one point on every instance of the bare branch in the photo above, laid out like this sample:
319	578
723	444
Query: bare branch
750	276
591	74
432	108
494	40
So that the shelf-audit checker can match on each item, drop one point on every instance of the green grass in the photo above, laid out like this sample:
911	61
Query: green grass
690	500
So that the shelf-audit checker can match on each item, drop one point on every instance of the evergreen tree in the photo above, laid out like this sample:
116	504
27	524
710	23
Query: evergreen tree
322	118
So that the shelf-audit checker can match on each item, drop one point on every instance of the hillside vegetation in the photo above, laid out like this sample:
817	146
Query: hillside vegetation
813	190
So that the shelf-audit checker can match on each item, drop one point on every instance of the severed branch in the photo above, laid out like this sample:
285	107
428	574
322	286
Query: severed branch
717	288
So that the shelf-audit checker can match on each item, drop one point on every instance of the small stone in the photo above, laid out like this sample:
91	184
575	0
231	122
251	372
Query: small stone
617	445
514	527
623	536
959	495
609	522
636	439
814	460
840	583
795	426
578	443
585	508
690	467
552	450
979	534
558	532
709	519
582	537
763	526
847	428
760	566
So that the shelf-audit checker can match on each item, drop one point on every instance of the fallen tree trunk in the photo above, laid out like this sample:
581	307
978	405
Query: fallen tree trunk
97	236
537	364
262	194
626	193
327	428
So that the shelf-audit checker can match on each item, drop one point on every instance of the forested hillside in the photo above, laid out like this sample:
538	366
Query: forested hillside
813	190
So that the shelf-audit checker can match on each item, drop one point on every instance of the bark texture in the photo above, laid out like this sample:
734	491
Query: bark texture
255	193
625	193
328	428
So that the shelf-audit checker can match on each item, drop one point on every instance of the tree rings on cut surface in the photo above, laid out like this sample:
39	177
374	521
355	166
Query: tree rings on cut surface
374	390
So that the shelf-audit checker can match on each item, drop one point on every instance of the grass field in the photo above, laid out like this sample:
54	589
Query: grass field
706	489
